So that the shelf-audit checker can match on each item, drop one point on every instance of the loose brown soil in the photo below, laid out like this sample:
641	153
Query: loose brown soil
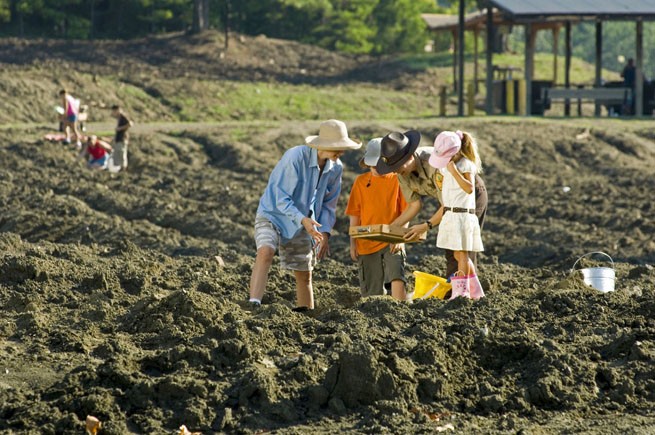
114	304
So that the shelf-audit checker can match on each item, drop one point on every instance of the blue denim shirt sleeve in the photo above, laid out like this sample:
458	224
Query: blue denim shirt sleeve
327	214
291	186
284	179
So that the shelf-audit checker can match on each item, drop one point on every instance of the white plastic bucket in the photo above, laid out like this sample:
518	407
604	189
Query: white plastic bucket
600	278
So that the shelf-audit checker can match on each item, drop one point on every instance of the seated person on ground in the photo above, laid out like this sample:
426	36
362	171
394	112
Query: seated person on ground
96	153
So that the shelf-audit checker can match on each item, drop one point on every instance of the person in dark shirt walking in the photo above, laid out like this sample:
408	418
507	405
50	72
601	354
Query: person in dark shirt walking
629	75
122	137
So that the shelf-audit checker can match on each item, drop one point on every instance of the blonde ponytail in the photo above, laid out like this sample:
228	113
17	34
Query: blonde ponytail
470	150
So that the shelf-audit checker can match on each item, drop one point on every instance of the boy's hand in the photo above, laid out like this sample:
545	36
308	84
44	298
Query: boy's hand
323	247
396	247
310	226
353	250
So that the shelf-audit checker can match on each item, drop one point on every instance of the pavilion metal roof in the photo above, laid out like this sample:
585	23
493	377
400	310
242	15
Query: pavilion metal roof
450	22
476	20
591	9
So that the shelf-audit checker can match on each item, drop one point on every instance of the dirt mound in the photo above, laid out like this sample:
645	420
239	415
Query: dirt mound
115	305
194	56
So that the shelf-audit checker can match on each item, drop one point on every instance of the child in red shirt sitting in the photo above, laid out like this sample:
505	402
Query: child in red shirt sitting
96	153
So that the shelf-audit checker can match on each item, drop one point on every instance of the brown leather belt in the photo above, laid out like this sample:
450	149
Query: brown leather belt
460	210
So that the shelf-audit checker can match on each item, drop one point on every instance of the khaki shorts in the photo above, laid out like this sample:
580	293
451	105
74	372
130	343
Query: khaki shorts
377	270
296	254
120	154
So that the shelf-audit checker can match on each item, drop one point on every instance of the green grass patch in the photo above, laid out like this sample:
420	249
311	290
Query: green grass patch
135	92
244	101
423	61
581	72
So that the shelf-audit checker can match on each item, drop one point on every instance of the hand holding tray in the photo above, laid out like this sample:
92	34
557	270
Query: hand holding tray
382	233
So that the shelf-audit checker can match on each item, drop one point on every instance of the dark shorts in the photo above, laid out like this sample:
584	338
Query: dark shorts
378	270
72	118
101	162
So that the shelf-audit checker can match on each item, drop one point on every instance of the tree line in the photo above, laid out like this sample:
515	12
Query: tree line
353	26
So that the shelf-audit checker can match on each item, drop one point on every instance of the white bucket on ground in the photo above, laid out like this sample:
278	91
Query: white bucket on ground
110	166
600	278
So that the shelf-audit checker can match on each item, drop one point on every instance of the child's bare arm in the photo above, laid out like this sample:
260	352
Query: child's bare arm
105	145
464	180
125	127
354	221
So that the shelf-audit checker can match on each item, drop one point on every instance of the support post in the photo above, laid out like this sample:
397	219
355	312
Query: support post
509	97
442	101
529	66
460	59
521	97
639	72
489	99
470	99
555	53
476	35
455	48
567	67
599	62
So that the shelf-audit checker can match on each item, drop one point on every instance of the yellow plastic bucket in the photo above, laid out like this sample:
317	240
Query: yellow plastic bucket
430	286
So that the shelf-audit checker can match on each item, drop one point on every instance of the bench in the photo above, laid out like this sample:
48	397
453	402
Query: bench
605	96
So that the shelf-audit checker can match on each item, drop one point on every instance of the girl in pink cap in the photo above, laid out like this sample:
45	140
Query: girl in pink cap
456	156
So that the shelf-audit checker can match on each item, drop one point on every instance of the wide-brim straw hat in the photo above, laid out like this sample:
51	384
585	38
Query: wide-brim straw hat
396	149
332	136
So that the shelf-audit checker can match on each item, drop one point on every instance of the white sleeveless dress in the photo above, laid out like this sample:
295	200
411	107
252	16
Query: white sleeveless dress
459	231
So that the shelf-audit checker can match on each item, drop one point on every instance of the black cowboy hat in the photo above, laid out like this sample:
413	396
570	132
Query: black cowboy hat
396	149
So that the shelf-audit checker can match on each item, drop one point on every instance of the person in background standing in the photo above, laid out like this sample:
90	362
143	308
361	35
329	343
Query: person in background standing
71	107
122	137
629	75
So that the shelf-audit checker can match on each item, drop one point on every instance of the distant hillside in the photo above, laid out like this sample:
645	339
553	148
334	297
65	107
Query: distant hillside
178	77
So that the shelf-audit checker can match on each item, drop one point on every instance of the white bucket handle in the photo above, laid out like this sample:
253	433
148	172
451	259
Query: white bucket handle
592	253
432	290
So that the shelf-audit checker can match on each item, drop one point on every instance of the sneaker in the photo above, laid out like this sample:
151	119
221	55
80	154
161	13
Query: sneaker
78	145
301	309
249	306
67	141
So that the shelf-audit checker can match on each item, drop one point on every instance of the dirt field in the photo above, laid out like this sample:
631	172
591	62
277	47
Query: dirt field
114	304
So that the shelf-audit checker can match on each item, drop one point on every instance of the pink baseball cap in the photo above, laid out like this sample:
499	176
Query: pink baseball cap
446	145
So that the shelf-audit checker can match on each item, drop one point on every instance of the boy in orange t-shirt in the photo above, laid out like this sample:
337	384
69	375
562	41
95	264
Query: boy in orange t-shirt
377	199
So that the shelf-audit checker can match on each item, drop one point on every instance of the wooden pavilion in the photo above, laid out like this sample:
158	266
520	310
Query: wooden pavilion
538	15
